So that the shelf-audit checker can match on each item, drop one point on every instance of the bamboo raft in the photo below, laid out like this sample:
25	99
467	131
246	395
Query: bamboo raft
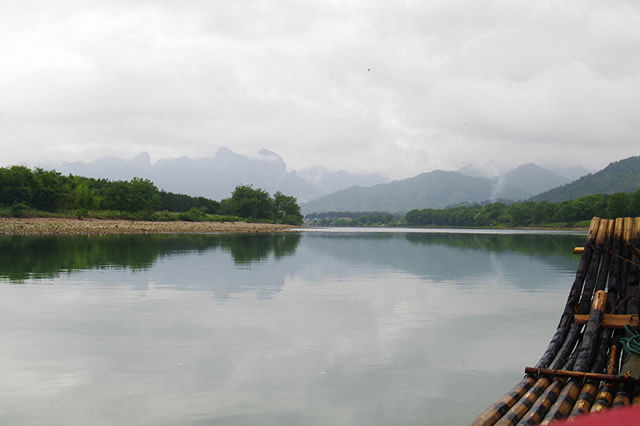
585	368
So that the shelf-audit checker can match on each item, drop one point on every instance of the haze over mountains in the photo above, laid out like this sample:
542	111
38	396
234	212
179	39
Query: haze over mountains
217	177
439	189
318	189
569	173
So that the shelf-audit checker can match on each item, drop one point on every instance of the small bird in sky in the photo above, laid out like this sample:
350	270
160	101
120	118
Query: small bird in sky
368	69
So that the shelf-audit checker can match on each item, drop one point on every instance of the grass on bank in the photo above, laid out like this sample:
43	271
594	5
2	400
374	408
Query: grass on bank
193	215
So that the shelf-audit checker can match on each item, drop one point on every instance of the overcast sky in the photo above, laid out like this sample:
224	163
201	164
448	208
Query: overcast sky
398	87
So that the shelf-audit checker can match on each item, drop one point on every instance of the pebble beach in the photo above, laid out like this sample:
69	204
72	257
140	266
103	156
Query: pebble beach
42	226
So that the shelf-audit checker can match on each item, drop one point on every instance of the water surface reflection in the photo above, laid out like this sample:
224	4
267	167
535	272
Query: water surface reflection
314	329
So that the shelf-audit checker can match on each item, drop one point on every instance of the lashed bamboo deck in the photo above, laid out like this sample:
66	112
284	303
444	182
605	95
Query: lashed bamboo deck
603	297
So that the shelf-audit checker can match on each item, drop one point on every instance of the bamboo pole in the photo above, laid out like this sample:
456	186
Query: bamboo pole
604	398
563	404
561	408
614	271
603	273
594	266
568	346
492	414
570	393
535	410
590	335
589	390
636	395
604	342
543	403
598	377
516	412
621	399
585	400
633	276
627	231
539	409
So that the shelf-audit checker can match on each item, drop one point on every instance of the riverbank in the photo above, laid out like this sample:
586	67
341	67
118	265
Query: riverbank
40	226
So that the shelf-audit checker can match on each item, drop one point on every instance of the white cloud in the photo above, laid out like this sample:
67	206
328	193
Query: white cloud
450	82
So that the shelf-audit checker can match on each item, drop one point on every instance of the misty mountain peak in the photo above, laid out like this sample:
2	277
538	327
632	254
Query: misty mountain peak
270	155
484	171
533	178
224	153
142	159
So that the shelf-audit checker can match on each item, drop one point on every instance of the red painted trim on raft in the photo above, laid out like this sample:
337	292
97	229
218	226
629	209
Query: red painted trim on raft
627	416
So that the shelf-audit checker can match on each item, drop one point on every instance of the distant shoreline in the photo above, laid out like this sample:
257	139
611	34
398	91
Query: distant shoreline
66	226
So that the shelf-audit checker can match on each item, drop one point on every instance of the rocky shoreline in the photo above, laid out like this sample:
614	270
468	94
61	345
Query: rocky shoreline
41	226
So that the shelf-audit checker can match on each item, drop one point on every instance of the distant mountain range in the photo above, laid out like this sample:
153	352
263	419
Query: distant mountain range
217	177
439	189
619	176
319	189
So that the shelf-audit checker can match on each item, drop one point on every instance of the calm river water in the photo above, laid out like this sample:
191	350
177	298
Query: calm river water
339	327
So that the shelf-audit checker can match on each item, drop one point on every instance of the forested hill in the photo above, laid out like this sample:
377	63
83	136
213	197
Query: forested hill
437	189
620	176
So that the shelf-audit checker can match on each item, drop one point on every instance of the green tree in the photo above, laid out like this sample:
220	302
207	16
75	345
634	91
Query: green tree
117	196
618	205
82	197
145	196
16	186
634	204
286	209
138	195
248	202
519	214
568	211
49	190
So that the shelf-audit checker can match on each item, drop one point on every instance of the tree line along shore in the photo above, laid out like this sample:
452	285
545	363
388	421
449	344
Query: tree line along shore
28	193
39	193
575	213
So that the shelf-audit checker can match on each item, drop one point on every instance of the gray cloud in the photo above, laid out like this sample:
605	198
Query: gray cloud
451	83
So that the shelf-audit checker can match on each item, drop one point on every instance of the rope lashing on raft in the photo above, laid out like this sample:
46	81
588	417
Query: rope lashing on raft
621	257
632	343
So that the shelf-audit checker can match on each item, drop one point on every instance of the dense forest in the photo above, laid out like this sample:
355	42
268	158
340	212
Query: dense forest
24	191
528	213
352	219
